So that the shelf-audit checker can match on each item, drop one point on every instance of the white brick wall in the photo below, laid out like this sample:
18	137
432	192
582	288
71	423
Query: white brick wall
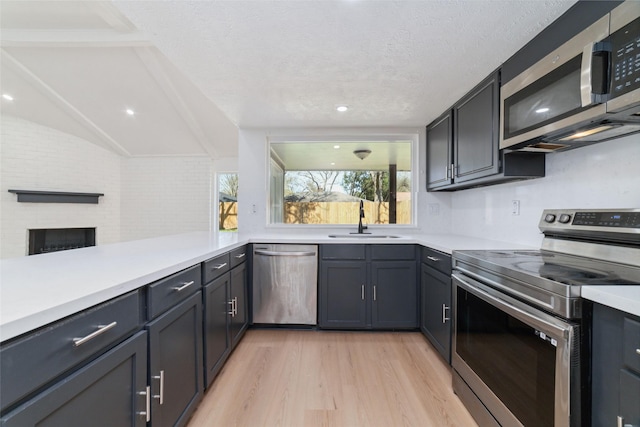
143	197
34	157
165	195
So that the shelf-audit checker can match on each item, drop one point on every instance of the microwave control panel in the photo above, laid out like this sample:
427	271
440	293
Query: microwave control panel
625	70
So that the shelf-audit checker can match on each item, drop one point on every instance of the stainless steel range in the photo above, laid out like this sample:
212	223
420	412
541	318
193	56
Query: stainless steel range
522	331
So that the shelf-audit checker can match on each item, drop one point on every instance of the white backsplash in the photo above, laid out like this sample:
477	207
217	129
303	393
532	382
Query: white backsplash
605	175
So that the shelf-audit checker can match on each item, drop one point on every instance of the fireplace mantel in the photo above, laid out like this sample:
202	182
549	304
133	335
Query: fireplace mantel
31	196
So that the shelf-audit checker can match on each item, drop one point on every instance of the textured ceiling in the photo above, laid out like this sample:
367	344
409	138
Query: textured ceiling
290	63
196	70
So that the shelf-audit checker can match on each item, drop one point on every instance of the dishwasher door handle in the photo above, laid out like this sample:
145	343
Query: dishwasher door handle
275	253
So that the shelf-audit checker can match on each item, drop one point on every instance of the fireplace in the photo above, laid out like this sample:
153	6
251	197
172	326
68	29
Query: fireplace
60	239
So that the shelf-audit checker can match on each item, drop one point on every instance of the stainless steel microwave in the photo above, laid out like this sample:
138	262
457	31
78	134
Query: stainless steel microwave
586	91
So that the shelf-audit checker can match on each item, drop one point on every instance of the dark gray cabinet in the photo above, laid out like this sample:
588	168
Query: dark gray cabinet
368	287
436	308
440	152
463	144
217	309
109	391
342	294
238	294
615	368
394	295
225	308
175	362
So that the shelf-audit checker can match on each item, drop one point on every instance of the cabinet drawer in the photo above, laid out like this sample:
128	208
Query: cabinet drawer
238	256
342	252
438	260
167	292
631	344
35	360
393	252
215	267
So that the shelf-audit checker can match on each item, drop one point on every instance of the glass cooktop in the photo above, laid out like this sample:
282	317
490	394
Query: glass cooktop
561	268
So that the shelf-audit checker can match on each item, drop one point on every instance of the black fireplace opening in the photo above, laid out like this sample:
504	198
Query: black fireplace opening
46	240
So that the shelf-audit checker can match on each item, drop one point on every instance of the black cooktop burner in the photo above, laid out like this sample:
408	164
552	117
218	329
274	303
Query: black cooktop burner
561	268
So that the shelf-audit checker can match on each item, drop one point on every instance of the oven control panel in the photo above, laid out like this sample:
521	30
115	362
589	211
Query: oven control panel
582	221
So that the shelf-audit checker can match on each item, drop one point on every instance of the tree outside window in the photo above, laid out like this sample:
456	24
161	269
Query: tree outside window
228	202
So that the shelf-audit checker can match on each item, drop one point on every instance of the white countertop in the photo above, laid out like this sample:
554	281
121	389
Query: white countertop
38	290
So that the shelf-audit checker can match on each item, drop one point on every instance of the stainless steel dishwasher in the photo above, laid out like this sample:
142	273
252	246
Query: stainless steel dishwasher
285	284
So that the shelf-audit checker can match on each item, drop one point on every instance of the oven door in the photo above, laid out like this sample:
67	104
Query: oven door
521	363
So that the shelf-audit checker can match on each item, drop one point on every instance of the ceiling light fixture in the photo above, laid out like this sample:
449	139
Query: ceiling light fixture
342	108
542	110
7	97
130	112
362	154
336	146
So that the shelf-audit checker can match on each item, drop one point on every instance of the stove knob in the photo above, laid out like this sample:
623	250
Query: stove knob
549	218
565	218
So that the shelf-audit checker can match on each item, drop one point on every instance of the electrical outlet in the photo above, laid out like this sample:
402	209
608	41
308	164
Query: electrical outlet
515	207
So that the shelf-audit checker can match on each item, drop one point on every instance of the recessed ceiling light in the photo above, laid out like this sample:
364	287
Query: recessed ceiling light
342	108
130	112
336	146
7	97
333	163
542	110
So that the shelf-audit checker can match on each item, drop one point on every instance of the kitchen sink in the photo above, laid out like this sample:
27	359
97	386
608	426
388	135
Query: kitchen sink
360	236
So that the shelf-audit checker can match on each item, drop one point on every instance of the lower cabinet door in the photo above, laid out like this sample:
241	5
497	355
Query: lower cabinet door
106	392
436	310
217	306
175	363
629	398
343	294
395	295
240	317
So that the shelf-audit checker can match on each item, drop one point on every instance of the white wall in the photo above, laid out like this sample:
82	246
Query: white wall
35	157
166	195
253	180
143	196
605	175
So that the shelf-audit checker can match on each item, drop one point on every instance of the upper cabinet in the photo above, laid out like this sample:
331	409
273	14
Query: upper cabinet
463	144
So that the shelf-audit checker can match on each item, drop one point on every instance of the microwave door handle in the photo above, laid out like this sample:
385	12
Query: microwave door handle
586	72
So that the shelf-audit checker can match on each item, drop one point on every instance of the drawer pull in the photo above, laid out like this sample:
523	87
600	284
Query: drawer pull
219	266
146	412
160	396
637	350
240	256
77	342
184	286
432	258
362	292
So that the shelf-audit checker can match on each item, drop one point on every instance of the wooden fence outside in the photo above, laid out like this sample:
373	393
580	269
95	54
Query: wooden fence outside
328	213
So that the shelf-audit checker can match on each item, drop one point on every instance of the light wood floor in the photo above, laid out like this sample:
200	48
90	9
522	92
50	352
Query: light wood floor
321	378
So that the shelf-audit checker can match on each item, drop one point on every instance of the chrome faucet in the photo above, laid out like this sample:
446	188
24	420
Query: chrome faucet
361	227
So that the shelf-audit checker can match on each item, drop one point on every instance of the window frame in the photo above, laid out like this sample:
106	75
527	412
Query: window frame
413	138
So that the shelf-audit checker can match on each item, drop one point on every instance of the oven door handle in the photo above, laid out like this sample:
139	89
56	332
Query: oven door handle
530	315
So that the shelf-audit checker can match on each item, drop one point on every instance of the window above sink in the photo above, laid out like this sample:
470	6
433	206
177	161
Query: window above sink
321	181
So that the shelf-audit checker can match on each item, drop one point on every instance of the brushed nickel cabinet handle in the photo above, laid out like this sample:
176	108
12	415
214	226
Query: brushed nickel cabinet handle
147	411
432	258
362	292
77	342
160	377
230	313
185	285
219	266
375	298
240	256
637	350
444	313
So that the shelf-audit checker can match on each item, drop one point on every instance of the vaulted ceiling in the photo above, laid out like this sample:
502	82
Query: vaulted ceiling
193	71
